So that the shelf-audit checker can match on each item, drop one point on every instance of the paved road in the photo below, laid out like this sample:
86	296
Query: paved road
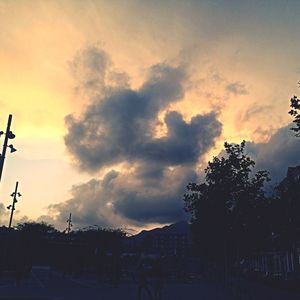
43	284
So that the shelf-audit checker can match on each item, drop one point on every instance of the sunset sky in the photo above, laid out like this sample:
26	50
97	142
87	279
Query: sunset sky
117	105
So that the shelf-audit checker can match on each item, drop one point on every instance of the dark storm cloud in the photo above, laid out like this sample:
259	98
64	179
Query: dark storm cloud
138	196
88	204
236	88
155	200
185	142
119	127
279	153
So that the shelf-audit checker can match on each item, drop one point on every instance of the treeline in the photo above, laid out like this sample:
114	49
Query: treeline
40	243
43	229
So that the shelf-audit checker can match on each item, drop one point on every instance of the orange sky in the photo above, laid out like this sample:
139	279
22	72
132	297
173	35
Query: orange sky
254	47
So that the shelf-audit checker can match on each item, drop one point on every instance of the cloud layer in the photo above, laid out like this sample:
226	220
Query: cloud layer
279	153
120	126
140	170
151	191
145	195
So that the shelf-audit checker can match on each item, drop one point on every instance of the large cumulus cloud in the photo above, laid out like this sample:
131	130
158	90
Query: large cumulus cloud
119	125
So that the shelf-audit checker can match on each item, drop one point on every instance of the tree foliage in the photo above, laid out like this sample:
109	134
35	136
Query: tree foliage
288	206
94	235
36	228
295	112
228	208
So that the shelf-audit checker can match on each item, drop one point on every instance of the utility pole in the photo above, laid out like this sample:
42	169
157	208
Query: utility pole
69	222
8	135
15	194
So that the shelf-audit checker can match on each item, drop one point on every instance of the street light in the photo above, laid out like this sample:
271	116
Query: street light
69	222
9	135
15	194
12	149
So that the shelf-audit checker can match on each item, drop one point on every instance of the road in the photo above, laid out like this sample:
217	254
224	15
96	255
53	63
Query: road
44	284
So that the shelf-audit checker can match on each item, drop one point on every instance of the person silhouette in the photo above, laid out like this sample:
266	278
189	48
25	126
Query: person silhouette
142	279
158	276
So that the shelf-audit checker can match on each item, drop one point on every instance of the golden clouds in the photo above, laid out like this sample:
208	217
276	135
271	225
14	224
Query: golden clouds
243	66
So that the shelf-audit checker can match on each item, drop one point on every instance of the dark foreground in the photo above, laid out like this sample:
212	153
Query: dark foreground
43	283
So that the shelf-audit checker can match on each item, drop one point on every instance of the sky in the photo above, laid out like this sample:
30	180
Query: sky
117	105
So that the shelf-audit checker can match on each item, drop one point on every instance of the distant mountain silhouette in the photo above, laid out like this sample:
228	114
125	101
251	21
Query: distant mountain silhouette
170	240
181	227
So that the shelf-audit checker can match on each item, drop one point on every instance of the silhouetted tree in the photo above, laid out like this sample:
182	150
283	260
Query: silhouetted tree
289	205
96	235
33	239
295	112
227	210
36	228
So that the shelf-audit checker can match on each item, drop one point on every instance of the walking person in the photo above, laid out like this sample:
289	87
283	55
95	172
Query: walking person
142	279
158	279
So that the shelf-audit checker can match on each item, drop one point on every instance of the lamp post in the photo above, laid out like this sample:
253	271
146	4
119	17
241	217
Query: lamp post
8	136
69	222
15	194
